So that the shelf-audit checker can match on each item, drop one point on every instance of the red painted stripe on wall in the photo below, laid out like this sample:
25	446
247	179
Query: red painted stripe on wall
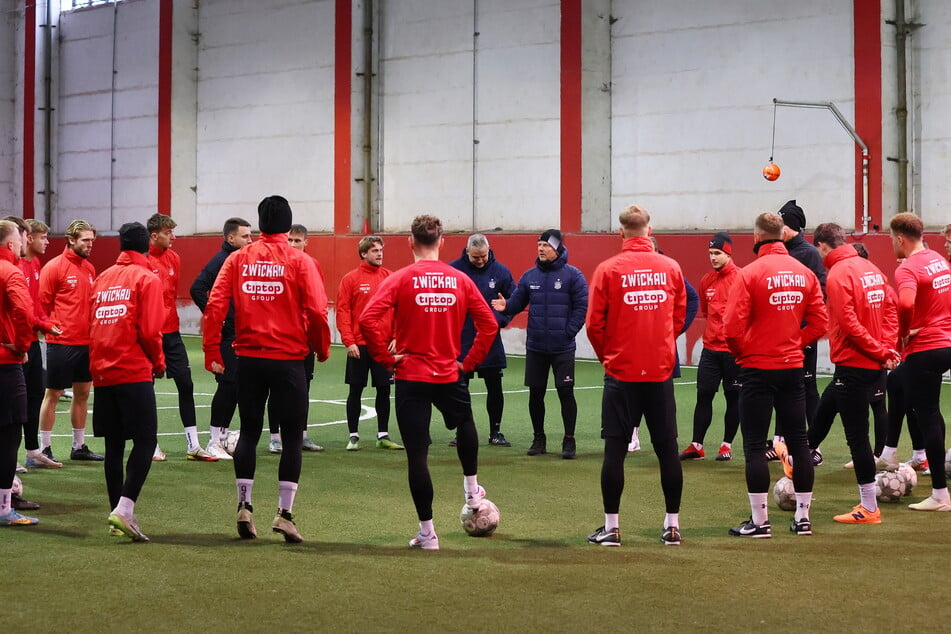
164	177
29	110
571	116
867	20
343	54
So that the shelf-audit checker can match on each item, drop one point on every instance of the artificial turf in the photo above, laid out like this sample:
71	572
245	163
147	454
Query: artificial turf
355	573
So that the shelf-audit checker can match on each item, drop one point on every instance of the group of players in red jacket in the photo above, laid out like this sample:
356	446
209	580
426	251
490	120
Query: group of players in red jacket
412	324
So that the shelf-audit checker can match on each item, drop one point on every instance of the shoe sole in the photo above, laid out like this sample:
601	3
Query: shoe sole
849	520
128	532
289	537
246	530
610	544
201	458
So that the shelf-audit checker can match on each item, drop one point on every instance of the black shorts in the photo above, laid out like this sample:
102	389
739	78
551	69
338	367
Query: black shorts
309	362
358	369
487	373
414	408
717	367
176	356
13	389
126	411
66	365
538	364
624	403
277	385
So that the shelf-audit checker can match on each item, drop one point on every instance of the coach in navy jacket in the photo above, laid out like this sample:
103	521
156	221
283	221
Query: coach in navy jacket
557	296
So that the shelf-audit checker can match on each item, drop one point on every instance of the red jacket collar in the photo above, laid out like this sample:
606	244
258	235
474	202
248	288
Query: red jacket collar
772	248
637	243
838	254
154	251
133	257
369	268
728	268
73	257
9	256
273	237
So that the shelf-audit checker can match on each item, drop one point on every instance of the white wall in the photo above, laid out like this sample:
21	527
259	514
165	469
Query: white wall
92	119
9	34
265	109
933	56
429	77
693	85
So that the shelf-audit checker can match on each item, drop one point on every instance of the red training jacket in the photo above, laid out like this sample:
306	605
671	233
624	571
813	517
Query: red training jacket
637	297
31	271
167	265
65	293
16	318
715	289
924	292
126	327
280	306
429	301
772	297
863	311
356	289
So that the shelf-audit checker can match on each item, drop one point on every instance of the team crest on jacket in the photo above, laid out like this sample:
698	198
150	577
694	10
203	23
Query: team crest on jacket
557	284
492	283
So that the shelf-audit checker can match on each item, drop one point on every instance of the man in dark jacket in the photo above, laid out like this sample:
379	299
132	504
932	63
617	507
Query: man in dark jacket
794	220
557	296
493	279
237	233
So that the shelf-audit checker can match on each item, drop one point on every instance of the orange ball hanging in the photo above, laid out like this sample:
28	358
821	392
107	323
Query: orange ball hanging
771	171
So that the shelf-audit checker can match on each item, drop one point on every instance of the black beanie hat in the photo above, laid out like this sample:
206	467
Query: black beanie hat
723	242
793	216
274	215
552	237
133	236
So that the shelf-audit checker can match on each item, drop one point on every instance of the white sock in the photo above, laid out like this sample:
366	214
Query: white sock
919	454
889	453
286	492
217	434
672	519
357	436
79	438
5	501
46	437
126	506
611	521
726	444
191	436
758	508
941	494
698	447
33	453
470	483
244	489
426	528
382	434
777	439
276	436
803	502
867	496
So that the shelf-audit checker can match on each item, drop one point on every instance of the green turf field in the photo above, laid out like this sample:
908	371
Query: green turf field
355	573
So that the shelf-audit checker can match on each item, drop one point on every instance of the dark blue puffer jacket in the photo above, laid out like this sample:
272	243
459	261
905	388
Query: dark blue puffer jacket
492	279
556	294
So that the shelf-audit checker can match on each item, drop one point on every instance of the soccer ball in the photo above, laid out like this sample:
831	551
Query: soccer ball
911	476
230	442
482	521
17	486
785	494
889	486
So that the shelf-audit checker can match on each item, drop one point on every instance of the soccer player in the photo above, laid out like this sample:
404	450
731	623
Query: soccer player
637	291
557	296
126	352
30	265
492	278
297	238
717	364
794	221
863	324
237	233
356	289
280	316
66	294
924	326
775	312
16	328
167	265
428	302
